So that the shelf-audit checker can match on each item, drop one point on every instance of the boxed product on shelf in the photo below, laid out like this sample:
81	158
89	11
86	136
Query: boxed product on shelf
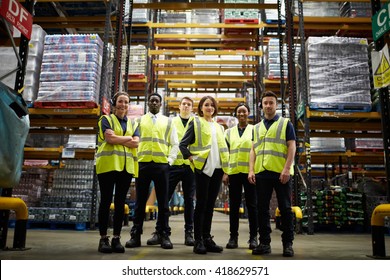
241	15
271	15
205	16
66	39
33	66
74	86
71	67
75	47
322	144
70	59
171	17
139	15
60	57
368	144
338	73
137	60
45	140
31	186
81	141
320	9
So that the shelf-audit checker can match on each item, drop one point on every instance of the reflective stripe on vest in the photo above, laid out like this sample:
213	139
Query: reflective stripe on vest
271	147
154	139
116	157
240	148
202	146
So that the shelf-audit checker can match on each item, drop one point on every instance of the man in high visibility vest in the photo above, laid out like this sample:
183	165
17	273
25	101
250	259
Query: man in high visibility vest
157	150
270	168
180	171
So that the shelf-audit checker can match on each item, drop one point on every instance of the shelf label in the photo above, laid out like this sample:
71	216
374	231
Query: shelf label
381	67
62	110
68	153
17	15
381	22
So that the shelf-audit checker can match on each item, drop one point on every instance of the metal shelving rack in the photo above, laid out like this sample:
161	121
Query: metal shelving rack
19	84
341	123
385	106
169	82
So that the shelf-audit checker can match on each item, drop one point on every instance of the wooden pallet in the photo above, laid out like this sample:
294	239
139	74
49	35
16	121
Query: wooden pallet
340	107
373	150
65	104
242	21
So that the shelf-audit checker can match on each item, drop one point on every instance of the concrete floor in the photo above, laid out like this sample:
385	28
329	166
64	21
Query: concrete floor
82	245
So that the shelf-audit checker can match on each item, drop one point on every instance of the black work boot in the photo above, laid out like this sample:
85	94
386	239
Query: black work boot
288	250
104	245
155	240
165	241
199	247
116	245
262	249
232	243
188	239
135	240
252	242
211	246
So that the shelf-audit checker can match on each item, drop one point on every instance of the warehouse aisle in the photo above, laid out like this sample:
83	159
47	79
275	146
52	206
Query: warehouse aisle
82	245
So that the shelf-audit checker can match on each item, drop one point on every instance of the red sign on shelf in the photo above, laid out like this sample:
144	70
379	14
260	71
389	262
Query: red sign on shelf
17	15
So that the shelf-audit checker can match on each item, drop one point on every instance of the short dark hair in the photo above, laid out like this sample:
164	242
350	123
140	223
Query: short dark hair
188	98
155	94
269	93
238	106
203	100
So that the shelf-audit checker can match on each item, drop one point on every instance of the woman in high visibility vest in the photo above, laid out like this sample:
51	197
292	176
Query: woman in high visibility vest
116	165
239	140
205	146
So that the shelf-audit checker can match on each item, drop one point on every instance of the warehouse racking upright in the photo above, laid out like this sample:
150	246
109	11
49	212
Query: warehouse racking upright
169	54
327	123
19	85
73	120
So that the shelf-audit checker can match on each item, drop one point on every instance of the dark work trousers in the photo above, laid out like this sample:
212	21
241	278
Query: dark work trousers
236	182
207	189
159	174
184	174
264	189
107	181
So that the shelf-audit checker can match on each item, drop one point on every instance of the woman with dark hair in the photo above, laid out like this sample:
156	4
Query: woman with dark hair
205	146
239	141
116	165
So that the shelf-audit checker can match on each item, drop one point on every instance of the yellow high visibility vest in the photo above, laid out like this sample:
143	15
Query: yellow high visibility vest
240	148
116	157
154	139
180	129
202	146
271	147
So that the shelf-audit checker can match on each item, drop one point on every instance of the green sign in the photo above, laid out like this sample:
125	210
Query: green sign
381	22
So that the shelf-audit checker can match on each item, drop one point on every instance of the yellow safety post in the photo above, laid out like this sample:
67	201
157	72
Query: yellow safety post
298	218
20	208
126	214
378	230
152	211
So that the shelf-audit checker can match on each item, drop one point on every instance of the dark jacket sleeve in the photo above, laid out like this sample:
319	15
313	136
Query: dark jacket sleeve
188	138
